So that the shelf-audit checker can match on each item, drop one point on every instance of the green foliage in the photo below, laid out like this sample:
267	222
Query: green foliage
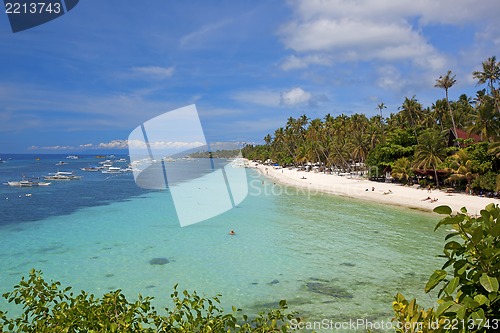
469	298
402	170
485	182
49	308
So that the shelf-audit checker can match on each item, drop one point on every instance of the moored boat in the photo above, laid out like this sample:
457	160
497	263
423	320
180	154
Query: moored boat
62	175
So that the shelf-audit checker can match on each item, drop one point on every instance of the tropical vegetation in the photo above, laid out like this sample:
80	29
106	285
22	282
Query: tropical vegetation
468	297
49	308
450	143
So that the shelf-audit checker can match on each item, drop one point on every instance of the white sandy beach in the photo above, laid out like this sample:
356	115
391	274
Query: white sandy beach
386	193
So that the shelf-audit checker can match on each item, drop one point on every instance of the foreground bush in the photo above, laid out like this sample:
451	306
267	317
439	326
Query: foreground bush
469	279
49	308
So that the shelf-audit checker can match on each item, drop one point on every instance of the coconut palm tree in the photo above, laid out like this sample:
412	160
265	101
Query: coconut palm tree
380	107
462	167
402	169
490	73
494	147
446	82
485	121
430	152
410	113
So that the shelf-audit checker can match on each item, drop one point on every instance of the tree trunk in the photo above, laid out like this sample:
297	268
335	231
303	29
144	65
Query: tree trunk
436	175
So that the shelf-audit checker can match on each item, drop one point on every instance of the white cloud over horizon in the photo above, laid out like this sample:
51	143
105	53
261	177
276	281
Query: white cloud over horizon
295	96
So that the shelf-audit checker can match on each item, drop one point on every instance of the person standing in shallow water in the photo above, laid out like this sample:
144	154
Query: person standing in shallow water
232	232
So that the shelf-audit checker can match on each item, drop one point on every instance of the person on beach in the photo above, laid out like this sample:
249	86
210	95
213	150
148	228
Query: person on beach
428	198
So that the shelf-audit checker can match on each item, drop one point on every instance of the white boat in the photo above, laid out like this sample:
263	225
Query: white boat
27	182
72	157
112	170
91	168
121	160
21	183
61	163
62	175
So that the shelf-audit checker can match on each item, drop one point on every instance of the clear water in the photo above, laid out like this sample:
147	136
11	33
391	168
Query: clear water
331	257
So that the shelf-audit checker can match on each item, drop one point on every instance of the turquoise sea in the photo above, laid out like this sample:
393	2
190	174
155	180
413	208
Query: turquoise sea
331	257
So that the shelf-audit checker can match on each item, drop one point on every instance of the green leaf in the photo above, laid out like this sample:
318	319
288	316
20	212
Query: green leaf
481	299
443	307
489	283
452	285
495	231
450	220
477	316
477	235
453	246
485	214
435	278
443	210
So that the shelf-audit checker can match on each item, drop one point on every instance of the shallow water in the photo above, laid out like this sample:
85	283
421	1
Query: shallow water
331	257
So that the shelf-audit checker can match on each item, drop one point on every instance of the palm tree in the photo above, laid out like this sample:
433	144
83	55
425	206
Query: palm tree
380	107
430	152
462	167
485	121
446	82
494	147
490	73
402	169
410	113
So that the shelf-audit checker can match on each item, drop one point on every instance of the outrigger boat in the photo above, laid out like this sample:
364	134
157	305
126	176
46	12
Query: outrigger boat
62	175
27	182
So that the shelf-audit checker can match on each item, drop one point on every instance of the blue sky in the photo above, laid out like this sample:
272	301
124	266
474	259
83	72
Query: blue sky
83	82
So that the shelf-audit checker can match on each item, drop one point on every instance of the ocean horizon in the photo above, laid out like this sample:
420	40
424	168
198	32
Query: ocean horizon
330	257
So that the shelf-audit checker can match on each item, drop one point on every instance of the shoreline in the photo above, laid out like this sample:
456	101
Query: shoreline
364	189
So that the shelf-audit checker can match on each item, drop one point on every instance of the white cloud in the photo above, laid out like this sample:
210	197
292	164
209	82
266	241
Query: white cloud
195	37
345	30
295	96
272	98
294	62
155	72
57	147
268	98
115	144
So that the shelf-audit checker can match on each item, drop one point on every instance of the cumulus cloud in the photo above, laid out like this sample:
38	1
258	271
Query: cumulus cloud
115	144
343	30
56	147
295	96
284	98
154	72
